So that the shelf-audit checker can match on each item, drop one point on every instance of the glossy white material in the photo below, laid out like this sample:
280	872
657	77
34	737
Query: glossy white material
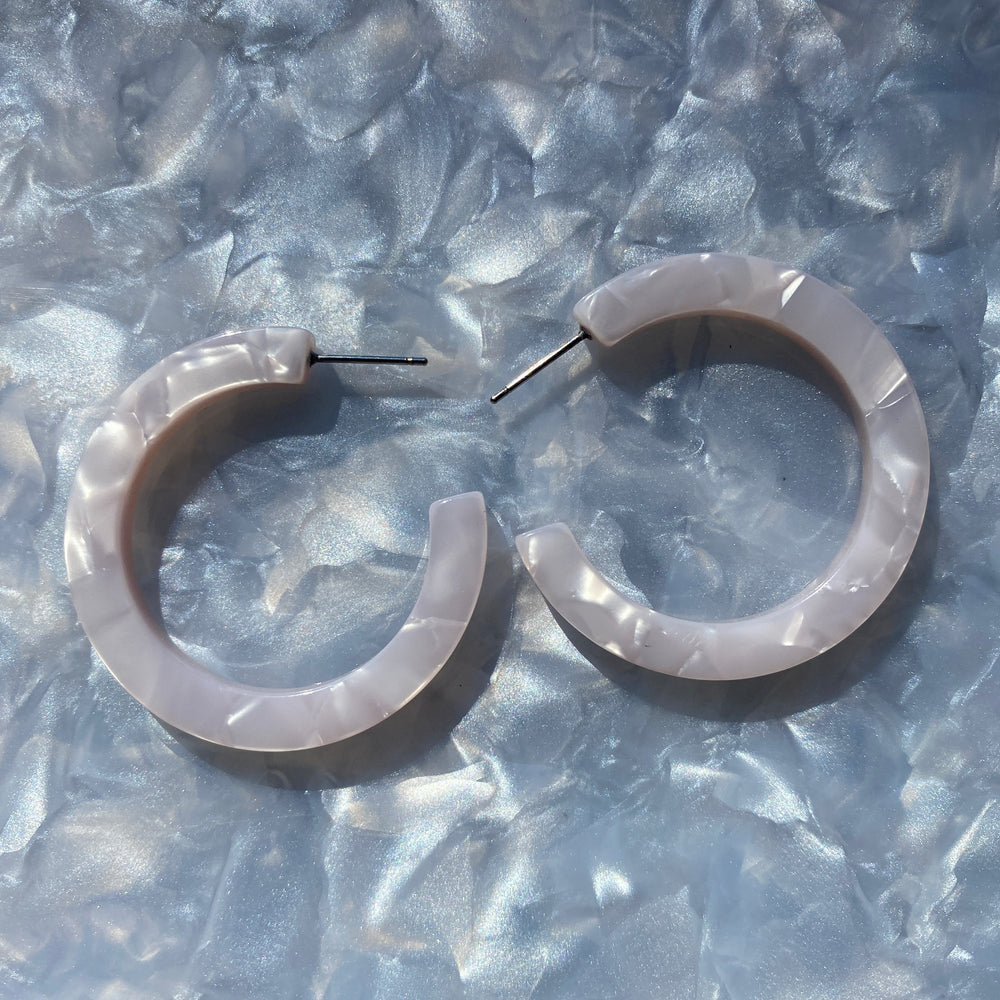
142	657
895	475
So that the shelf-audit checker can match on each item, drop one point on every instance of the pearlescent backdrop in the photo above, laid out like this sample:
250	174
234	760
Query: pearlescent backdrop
447	178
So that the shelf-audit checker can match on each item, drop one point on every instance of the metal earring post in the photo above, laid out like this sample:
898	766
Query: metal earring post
361	359
539	365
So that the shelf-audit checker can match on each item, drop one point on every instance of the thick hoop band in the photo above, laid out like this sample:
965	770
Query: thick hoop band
894	484
138	652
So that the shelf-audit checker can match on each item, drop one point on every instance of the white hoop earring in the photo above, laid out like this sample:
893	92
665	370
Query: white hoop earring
174	687
894	485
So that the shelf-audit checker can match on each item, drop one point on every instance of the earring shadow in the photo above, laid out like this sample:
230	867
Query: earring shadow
818	681
407	735
694	344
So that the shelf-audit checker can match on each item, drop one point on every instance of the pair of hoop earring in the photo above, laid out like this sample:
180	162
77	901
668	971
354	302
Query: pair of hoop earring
183	693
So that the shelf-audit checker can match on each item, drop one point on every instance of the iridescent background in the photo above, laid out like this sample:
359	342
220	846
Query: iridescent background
447	178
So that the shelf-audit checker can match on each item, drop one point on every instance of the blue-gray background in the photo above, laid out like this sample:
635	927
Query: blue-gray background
448	177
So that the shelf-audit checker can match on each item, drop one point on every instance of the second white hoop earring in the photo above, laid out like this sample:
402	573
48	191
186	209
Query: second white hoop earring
173	686
894	484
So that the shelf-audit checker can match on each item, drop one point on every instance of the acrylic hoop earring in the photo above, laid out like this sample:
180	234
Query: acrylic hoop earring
138	652
894	481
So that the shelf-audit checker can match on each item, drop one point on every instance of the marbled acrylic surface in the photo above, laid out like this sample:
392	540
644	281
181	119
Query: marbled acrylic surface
448	178
895	473
121	469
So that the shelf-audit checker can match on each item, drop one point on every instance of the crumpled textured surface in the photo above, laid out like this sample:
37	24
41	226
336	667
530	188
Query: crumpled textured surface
447	178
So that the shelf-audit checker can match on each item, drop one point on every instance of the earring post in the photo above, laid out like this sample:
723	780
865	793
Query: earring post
539	365
361	359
